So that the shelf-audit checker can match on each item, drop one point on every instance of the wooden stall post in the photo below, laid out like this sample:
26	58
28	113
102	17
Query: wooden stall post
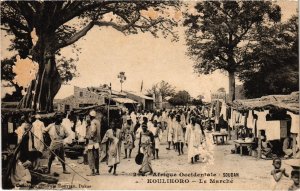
294	145
259	145
229	132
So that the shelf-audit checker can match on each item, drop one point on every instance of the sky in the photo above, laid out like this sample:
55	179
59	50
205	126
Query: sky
105	52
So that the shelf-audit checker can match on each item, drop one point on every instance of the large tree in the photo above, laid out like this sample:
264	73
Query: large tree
222	34
276	70
162	88
42	28
180	98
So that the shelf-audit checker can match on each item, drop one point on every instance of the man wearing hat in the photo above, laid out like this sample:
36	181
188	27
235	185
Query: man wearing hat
93	136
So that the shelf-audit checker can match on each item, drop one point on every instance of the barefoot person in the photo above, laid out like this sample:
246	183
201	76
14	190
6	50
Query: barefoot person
277	174
92	149
193	136
178	135
57	135
128	138
146	144
170	131
157	132
111	142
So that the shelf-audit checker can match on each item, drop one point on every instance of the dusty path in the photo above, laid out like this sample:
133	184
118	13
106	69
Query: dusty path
248	172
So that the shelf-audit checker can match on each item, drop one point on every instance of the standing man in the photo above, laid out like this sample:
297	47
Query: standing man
96	123
94	138
37	130
57	134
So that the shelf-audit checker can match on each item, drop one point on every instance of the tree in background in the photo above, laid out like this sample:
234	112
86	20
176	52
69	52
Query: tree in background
222	35
7	75
122	78
198	101
162	88
276	70
40	29
180	98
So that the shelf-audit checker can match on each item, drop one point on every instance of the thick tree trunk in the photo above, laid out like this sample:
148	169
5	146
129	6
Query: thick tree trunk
42	90
231	86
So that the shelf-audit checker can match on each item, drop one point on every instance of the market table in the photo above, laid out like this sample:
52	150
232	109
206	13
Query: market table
242	144
218	134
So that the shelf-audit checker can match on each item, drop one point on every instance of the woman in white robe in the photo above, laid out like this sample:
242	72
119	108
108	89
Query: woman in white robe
111	144
194	140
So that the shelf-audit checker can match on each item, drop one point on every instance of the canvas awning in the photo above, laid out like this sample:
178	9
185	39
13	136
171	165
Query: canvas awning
123	100
287	102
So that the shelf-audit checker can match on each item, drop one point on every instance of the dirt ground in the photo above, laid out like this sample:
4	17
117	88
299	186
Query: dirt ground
241	172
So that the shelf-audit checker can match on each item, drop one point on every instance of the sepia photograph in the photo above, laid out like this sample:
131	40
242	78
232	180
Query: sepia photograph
150	95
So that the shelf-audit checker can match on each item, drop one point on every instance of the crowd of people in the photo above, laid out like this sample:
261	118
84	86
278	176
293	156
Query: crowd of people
181	127
144	130
138	133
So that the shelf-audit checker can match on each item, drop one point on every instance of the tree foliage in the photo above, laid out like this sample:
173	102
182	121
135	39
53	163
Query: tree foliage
162	88
53	18
222	35
180	98
40	29
198	100
276	70
8	75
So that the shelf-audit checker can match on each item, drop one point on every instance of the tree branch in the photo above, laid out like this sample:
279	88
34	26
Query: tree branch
76	36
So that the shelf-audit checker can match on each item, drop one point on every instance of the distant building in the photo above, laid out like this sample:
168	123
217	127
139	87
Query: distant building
91	96
82	97
144	101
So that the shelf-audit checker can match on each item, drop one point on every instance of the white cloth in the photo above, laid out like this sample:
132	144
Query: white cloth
187	133
273	130
133	118
178	132
170	130
151	128
93	145
67	125
194	141
223	111
37	130
295	123
10	127
81	130
164	117
261	122
157	136
295	126
250	120
20	131
138	132
232	118
242	120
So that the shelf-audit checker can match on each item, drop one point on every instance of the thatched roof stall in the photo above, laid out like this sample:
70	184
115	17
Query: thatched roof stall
276	102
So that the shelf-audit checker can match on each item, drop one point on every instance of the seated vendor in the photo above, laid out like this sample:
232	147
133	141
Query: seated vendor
266	148
243	132
287	146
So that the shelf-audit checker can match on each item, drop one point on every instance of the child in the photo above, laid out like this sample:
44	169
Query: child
295	177
277	173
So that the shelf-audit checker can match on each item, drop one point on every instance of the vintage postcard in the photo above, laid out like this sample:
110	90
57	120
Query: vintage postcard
150	95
